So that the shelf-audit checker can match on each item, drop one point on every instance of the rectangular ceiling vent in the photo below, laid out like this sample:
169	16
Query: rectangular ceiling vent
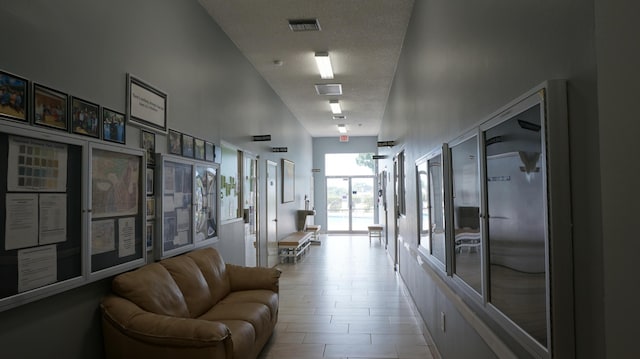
304	25
329	89
339	117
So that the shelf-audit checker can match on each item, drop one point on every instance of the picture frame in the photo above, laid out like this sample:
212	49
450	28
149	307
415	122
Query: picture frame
50	108
113	126
187	145
174	143
151	207
146	105
149	182
209	151
85	118
150	234
198	149
14	97
288	181
148	142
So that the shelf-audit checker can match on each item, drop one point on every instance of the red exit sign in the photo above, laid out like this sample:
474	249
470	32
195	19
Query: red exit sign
344	138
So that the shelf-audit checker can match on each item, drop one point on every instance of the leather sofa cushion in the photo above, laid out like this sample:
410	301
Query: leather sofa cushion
153	289
266	297
191	282
214	270
257	314
243	337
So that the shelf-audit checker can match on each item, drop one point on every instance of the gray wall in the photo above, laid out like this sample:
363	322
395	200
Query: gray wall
462	61
85	48
322	146
618	89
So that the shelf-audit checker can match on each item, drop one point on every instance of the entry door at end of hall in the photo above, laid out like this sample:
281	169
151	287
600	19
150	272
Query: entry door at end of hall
350	203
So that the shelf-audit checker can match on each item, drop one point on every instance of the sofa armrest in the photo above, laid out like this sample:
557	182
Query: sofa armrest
151	328
249	278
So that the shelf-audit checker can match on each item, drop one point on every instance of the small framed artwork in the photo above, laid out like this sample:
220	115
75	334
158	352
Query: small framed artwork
50	108
148	142
150	235
113	126
151	207
14	97
175	142
187	145
198	147
209	151
85	118
149	181
146	105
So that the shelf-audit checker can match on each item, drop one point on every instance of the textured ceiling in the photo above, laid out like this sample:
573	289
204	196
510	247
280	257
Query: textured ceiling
363	37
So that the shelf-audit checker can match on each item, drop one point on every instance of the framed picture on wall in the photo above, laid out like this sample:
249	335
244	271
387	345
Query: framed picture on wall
150	225
187	145
174	142
85	118
146	105
14	97
149	184
50	108
288	181
209	151
113	126
198	148
148	142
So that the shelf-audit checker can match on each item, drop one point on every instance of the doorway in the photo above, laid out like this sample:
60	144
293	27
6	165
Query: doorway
350	203
250	209
271	216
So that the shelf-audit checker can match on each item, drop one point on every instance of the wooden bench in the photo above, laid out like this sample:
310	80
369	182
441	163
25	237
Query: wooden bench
315	233
294	245
375	230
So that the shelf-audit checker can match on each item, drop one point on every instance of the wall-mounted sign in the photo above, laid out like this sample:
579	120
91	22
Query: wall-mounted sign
279	149
344	138
379	157
262	138
386	143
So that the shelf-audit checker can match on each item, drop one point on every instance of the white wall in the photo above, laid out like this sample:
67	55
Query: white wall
462	61
618	88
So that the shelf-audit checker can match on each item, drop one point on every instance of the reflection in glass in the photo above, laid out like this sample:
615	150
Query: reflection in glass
437	208
517	224
423	204
177	208
466	204
205	203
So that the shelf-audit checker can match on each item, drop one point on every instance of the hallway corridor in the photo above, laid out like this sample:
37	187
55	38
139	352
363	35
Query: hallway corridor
344	300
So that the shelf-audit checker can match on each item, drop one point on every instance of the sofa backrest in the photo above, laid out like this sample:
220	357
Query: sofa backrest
153	289
214	270
191	282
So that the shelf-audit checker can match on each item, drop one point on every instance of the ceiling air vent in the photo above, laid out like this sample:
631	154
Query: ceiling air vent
329	89
304	25
339	117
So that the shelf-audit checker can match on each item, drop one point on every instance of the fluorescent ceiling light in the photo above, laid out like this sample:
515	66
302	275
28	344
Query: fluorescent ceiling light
335	107
342	128
324	65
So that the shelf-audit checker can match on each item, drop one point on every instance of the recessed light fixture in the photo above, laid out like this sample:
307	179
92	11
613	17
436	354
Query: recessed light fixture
335	107
342	128
324	65
339	117
329	89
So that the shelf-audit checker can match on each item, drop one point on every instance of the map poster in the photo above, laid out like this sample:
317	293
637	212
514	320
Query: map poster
114	184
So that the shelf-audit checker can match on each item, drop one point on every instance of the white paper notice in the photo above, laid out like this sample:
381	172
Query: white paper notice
126	236
184	220
53	218
37	267
103	236
21	225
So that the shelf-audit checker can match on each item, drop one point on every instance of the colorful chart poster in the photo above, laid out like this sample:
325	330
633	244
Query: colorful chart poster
36	166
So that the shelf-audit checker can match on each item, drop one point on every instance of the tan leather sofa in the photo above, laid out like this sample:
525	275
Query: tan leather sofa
190	306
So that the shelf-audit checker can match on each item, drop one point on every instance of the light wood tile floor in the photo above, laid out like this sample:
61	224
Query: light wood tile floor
344	300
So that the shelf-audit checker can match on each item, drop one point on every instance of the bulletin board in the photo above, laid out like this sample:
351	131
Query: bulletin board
117	211
40	213
175	209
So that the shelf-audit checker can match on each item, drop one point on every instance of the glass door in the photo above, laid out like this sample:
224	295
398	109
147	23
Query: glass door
350	203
